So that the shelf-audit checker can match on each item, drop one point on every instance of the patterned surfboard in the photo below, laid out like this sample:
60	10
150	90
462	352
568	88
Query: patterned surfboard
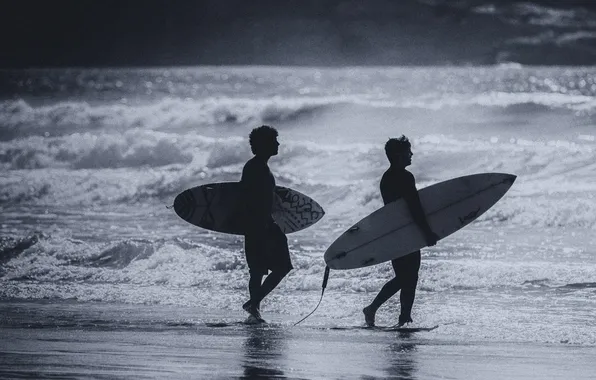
218	207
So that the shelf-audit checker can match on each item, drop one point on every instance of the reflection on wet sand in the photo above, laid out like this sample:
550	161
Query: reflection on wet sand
263	353
401	356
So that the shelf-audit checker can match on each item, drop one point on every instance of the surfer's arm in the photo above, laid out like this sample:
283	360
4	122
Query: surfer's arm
415	206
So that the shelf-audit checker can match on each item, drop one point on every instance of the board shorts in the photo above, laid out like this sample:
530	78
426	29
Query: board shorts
267	251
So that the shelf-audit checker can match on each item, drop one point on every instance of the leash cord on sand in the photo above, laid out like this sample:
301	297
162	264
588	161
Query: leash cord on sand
325	278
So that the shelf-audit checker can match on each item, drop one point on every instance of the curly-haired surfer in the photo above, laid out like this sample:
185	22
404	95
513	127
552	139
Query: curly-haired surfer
265	245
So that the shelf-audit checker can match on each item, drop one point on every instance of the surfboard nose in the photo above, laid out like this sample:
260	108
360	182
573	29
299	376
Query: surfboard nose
507	179
184	205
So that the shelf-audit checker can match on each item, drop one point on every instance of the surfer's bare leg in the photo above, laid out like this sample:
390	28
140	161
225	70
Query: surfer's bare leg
277	258
271	282
406	299
254	289
389	289
408	273
259	291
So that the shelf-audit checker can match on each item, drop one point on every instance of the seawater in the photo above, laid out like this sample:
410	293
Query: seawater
90	159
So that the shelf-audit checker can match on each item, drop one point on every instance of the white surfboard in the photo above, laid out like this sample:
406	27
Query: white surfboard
390	232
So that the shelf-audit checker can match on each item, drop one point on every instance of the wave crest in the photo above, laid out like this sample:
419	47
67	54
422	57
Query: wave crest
19	119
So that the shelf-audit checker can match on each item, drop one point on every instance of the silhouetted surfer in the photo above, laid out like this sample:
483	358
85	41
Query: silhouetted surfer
265	245
398	183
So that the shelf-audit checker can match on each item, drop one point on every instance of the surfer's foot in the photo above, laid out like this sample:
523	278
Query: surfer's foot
403	320
369	316
252	320
253	310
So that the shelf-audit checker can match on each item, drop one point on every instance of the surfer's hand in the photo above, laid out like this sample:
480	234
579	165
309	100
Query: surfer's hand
431	238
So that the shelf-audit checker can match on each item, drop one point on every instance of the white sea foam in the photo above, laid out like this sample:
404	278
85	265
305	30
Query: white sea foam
47	258
555	184
85	177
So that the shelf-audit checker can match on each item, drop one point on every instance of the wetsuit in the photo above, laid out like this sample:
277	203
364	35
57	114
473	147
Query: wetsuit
399	183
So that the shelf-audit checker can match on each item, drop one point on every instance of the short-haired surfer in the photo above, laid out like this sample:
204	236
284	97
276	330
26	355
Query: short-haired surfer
265	245
398	183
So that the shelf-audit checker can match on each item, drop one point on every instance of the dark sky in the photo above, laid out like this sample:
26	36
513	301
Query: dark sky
299	32
85	32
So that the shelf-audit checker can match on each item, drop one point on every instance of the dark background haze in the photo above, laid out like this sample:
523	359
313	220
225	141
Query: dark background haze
297	32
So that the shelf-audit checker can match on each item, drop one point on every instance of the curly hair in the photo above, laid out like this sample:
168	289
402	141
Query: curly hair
261	136
395	146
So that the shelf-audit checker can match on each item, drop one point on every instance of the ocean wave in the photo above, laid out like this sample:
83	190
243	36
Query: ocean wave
132	148
515	101
150	166
172	263
18	118
136	261
471	274
118	255
11	247
538	14
580	285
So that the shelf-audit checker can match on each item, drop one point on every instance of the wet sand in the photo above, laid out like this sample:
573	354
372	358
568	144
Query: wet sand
70	340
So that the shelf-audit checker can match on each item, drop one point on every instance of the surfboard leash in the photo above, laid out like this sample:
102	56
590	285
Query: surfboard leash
325	279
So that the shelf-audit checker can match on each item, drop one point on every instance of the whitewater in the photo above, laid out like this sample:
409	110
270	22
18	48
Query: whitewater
90	158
